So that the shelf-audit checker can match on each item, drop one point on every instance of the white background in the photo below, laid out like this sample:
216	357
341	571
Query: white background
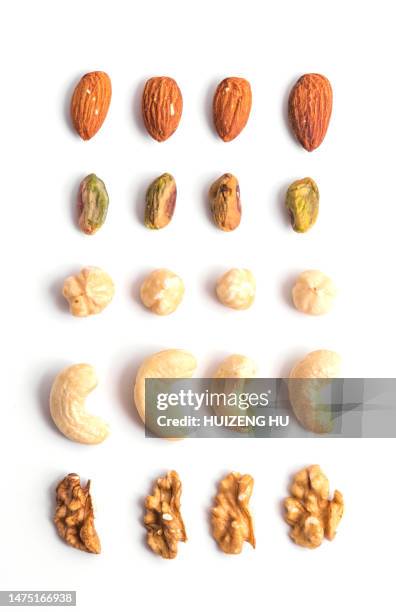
45	48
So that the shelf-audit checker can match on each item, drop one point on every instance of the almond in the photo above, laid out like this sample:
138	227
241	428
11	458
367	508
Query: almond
162	106
231	107
310	106
90	103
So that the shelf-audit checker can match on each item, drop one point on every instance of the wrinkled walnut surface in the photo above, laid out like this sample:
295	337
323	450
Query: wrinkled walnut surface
88	292
232	523
163	520
309	511
74	516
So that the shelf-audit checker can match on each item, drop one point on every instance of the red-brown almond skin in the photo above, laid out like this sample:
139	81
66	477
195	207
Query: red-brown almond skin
162	106
310	106
232	103
90	103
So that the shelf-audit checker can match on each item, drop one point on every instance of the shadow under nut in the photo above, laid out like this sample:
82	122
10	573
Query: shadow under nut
67	405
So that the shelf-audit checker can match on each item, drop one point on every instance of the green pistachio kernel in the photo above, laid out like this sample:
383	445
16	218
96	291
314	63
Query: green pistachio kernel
92	204
302	202
160	202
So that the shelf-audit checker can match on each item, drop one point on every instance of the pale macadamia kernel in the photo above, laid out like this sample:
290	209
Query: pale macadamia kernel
88	292
314	293
162	291
236	288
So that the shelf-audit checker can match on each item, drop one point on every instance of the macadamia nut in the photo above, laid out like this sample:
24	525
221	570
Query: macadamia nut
162	291
314	293
236	288
88	292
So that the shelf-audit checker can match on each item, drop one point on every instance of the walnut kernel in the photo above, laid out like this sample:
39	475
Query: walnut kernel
309	511
232	523
163	520
74	516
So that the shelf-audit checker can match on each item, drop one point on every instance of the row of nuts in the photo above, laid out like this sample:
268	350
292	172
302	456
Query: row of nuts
310	107
92	289
73	384
302	203
308	510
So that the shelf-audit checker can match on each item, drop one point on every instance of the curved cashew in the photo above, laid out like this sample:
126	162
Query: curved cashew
172	363
236	366
233	367
304	395
67	398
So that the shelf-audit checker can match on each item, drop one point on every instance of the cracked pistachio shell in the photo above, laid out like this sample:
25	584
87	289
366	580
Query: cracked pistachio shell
93	203
302	202
160	202
225	203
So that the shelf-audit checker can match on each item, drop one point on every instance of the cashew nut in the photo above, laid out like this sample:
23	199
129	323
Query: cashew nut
314	293
67	398
172	363
306	382
233	367
236	366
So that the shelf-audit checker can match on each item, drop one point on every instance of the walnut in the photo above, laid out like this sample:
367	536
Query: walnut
74	516
163	521
309	511
232	523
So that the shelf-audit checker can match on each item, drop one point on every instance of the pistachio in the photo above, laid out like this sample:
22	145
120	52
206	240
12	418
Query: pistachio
160	202
93	203
302	202
225	202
